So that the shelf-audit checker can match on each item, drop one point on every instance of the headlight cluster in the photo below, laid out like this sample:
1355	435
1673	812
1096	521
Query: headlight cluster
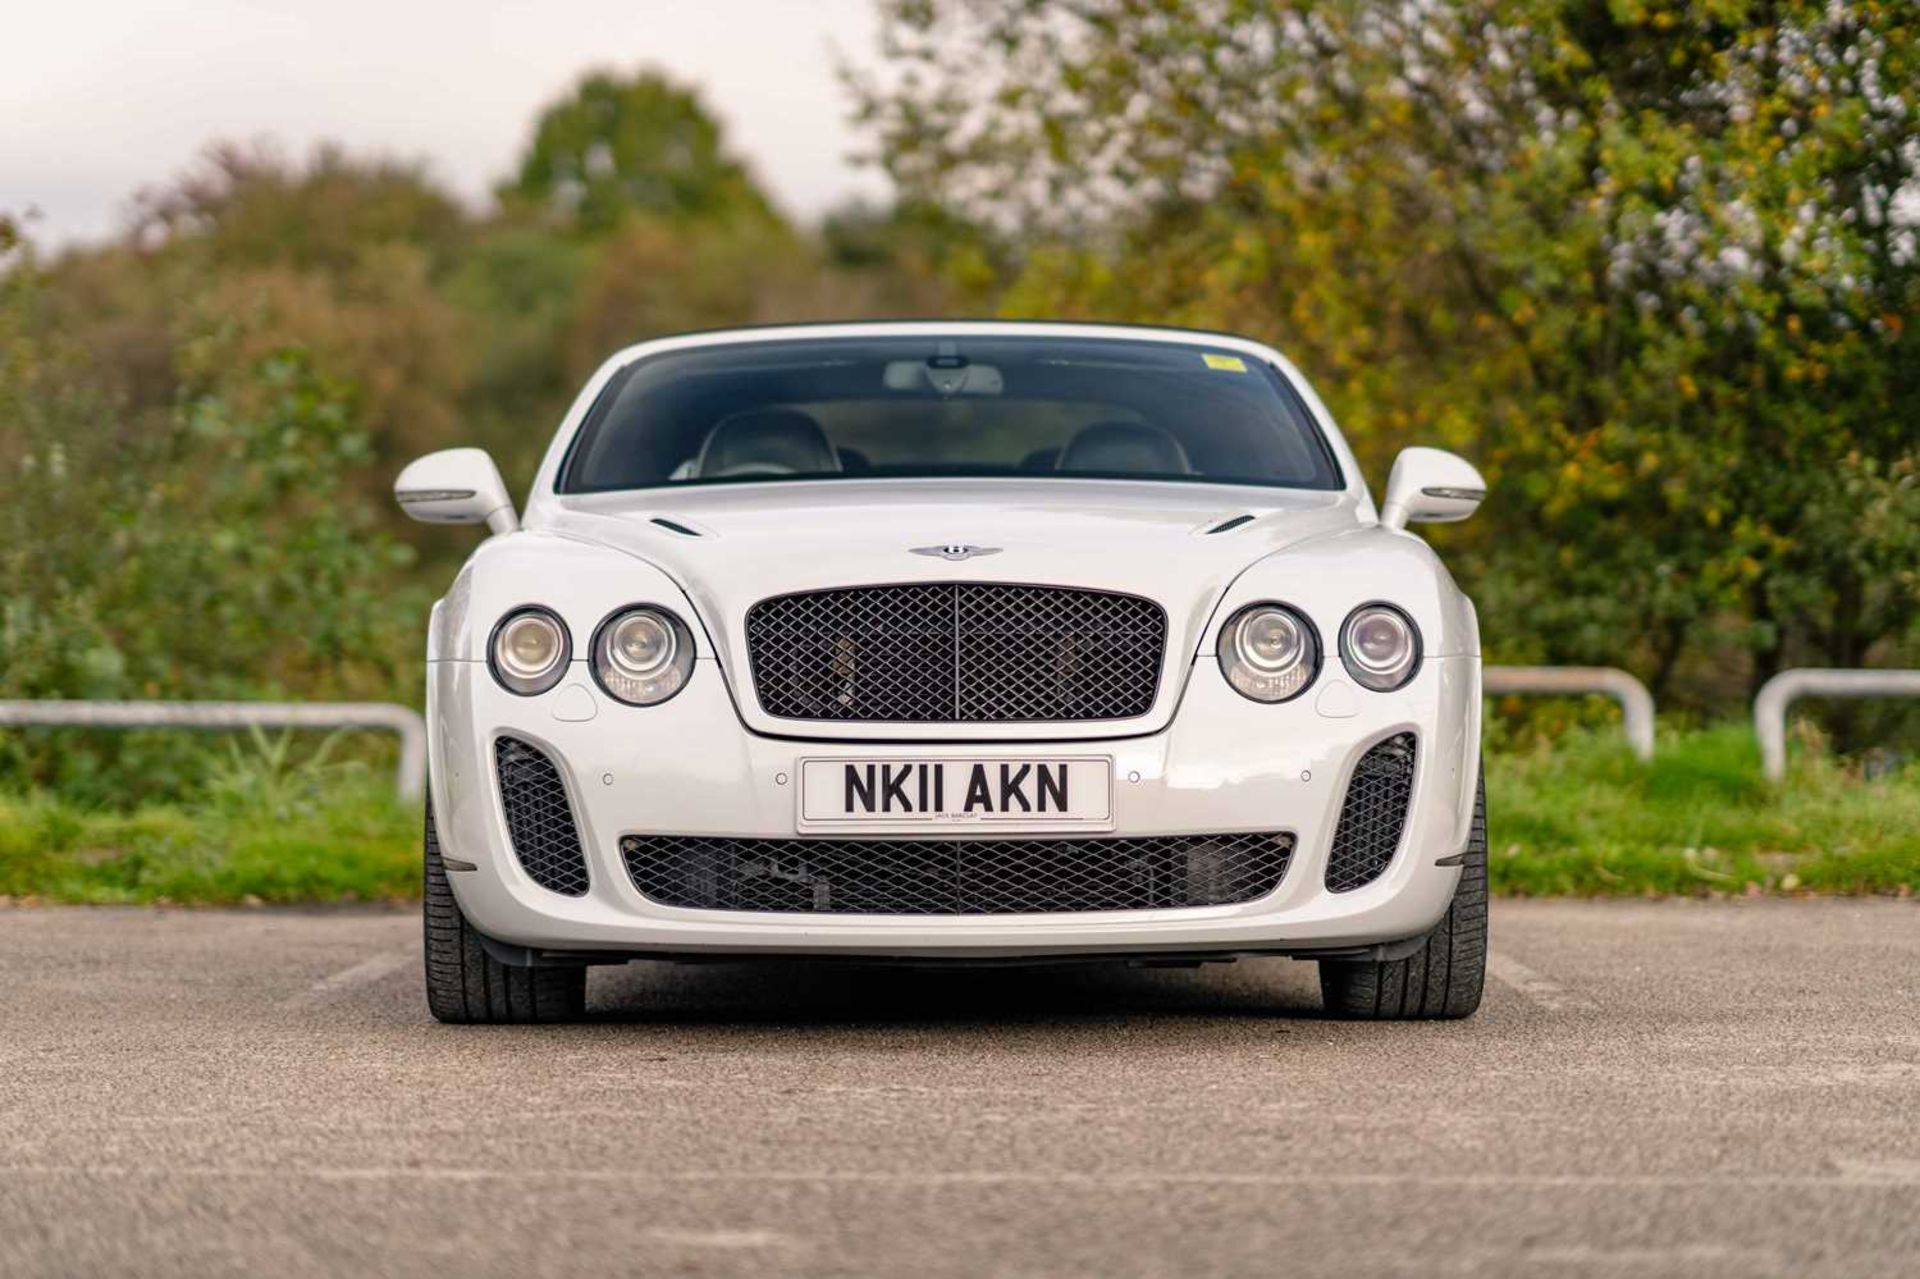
1380	646
529	651
640	655
1271	653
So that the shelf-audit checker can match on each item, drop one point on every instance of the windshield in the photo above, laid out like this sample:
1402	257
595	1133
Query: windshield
886	407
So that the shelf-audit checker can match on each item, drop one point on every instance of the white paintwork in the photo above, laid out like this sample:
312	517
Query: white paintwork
709	761
456	486
1431	486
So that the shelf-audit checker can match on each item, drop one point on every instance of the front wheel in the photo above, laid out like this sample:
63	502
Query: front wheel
1441	979
466	985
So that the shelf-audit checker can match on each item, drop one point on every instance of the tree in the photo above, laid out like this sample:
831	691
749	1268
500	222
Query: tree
619	146
1651	261
213	548
200	421
342	256
252	206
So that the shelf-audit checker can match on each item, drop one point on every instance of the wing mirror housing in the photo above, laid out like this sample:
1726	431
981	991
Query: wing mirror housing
1431	486
456	486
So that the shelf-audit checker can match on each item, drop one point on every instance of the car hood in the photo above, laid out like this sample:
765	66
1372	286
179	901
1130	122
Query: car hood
730	546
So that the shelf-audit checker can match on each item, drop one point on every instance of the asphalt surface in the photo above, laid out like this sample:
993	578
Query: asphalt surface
1661	1088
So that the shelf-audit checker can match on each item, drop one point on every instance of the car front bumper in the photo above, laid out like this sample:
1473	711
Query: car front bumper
689	767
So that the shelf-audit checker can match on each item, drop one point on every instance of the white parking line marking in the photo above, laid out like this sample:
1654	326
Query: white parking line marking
347	980
1880	1176
1539	990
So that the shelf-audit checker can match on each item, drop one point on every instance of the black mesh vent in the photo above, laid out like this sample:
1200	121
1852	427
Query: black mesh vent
1373	816
955	876
539	819
956	653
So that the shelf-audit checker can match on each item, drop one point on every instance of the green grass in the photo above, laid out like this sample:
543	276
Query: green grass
1584	818
345	841
1580	817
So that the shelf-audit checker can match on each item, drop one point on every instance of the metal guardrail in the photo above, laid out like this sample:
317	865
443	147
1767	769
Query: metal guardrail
1636	708
1784	689
1636	703
409	777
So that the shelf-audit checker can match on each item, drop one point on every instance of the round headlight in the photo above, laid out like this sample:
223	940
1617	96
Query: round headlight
529	651
1380	646
1269	652
642	656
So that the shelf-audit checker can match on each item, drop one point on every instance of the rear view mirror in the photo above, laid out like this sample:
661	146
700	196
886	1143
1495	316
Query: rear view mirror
954	377
1431	486
456	486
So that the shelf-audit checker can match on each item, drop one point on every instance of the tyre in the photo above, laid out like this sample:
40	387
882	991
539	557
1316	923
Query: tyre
466	985
1444	976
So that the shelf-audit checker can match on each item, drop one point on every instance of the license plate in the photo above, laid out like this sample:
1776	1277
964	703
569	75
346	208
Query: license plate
908	794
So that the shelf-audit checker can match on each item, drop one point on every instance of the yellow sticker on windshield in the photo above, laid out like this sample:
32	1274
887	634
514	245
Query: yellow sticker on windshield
1227	363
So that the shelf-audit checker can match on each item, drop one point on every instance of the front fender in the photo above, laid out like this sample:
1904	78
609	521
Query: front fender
580	582
1327	578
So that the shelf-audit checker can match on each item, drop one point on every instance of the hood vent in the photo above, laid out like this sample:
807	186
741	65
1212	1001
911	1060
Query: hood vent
673	527
1228	525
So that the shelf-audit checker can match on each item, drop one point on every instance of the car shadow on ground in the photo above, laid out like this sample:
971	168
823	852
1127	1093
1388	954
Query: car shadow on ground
824	994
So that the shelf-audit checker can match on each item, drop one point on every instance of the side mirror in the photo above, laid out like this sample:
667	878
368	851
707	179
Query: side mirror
1431	486
456	486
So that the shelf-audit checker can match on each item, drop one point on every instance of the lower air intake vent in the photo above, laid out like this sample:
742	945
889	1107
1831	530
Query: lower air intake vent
539	819
1373	816
955	876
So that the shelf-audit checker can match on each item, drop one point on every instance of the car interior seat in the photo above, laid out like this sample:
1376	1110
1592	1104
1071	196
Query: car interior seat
1127	447
766	442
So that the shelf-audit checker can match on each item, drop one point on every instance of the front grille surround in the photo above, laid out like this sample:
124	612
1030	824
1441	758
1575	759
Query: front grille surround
540	825
1374	814
956	652
1003	876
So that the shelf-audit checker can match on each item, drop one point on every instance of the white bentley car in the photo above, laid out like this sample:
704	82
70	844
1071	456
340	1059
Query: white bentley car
957	642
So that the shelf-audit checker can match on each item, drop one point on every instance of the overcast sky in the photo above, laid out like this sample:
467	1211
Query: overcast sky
101	97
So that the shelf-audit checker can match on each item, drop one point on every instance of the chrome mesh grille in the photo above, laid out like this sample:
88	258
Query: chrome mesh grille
955	876
539	818
956	653
1373	815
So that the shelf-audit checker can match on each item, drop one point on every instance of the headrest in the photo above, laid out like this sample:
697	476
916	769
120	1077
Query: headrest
1132	447
767	442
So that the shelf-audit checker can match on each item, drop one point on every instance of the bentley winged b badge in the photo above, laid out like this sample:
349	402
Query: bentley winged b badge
956	551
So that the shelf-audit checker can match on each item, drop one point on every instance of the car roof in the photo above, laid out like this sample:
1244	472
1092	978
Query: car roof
930	327
923	323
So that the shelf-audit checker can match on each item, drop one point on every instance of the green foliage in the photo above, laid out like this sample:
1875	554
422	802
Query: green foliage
211	550
265	775
349	840
341	258
1584	817
247	206
200	422
916	241
1652	264
620	146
